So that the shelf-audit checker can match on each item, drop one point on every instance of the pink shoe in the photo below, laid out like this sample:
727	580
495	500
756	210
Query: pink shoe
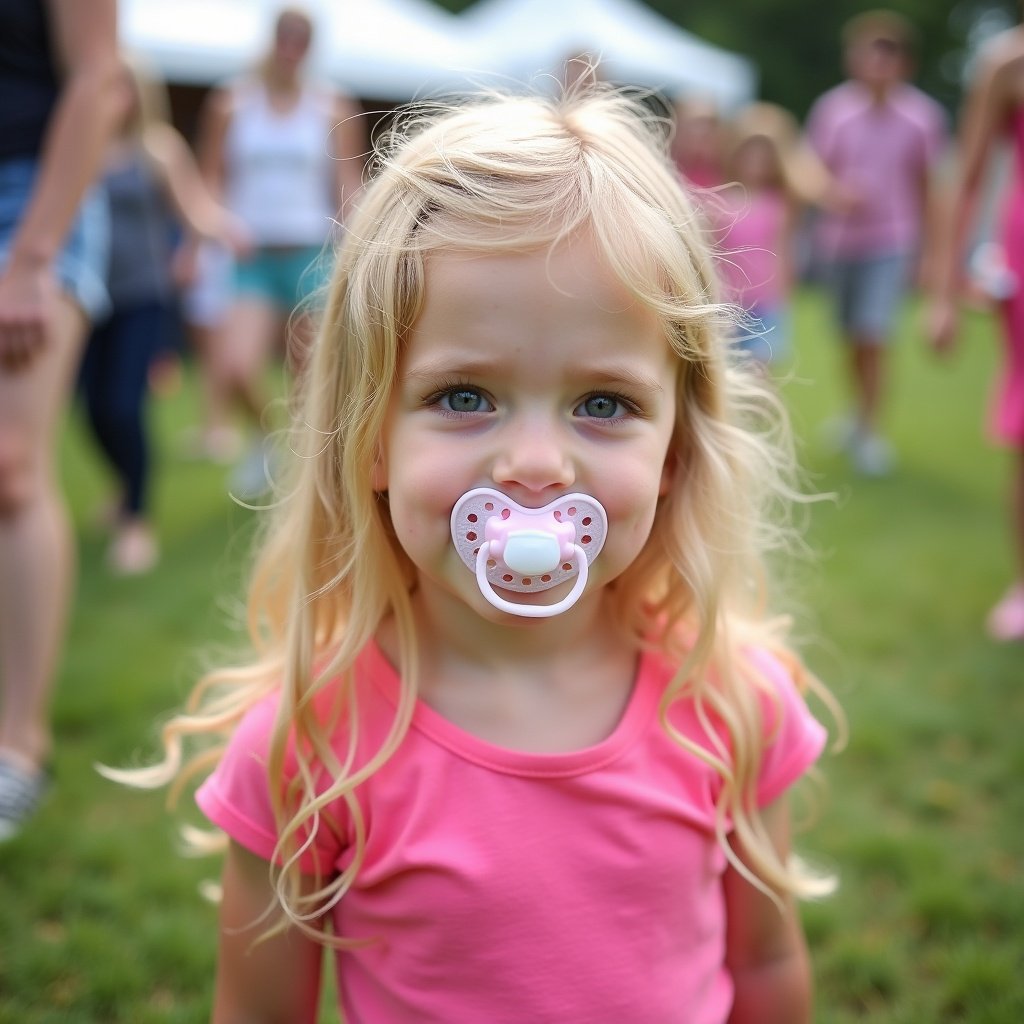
1006	620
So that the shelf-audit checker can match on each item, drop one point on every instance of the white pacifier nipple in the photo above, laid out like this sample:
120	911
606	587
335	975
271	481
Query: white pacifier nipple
528	549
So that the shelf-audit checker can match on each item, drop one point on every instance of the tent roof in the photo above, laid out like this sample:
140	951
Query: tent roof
387	49
635	45
396	50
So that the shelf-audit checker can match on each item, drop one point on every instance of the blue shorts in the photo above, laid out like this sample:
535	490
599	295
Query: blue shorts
868	293
81	265
764	334
285	277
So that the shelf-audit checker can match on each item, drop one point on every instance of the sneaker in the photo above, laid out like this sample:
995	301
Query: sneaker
220	445
871	456
253	477
21	793
1006	621
134	549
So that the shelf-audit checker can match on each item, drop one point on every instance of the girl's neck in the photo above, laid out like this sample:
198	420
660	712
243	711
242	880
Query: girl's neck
281	85
450	634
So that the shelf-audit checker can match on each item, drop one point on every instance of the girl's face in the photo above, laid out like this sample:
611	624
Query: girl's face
291	41
538	375
756	163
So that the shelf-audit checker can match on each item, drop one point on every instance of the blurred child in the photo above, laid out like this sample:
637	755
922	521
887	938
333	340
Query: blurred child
697	141
994	111
518	729
148	167
772	178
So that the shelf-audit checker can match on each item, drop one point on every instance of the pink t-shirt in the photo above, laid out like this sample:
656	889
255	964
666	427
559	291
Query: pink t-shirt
882	152
750	239
504	886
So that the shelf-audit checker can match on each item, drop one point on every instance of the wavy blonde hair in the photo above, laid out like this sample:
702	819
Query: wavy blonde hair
516	174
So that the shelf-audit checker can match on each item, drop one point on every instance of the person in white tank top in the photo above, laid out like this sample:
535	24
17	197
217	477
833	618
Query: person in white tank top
286	156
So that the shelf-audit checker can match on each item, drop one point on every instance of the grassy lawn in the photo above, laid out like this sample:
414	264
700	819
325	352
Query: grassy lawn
100	919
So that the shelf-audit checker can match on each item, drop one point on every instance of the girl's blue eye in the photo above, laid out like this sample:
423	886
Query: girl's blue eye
600	407
465	400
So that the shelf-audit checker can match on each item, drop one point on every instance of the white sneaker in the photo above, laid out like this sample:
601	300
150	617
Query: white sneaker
871	456
253	476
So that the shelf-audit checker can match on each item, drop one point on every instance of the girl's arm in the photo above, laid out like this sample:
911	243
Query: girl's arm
213	128
349	145
765	949
172	160
274	981
981	123
85	41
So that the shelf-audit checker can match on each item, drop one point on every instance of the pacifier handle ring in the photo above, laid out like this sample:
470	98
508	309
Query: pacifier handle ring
531	611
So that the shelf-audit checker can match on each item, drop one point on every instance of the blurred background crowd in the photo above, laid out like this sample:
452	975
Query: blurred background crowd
213	160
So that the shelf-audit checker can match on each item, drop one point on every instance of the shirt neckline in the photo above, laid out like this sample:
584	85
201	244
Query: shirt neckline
636	716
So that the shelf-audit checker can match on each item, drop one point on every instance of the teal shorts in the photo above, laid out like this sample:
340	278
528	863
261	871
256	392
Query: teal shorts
285	277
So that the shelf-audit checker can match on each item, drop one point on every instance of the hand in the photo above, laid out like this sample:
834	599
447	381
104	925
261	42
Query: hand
27	298
941	325
185	264
842	200
237	237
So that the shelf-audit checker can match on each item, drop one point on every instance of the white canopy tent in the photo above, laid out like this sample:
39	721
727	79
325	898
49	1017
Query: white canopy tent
395	50
529	39
387	49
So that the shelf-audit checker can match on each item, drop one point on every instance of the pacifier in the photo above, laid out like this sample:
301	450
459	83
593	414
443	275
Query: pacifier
524	550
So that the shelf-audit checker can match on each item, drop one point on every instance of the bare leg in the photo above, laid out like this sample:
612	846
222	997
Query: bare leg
216	437
870	454
252	332
36	549
1017	512
1006	620
866	371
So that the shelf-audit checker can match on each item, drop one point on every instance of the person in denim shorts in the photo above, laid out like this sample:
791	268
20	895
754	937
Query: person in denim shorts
881	139
58	104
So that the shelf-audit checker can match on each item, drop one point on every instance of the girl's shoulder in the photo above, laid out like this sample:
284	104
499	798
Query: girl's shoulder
763	684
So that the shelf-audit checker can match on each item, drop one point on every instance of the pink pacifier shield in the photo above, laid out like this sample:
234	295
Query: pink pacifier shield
529	549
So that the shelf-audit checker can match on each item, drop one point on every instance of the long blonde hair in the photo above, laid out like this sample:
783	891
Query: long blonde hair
513	173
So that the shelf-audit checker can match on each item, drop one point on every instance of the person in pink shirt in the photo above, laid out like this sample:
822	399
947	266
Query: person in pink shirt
881	139
772	178
517	733
698	142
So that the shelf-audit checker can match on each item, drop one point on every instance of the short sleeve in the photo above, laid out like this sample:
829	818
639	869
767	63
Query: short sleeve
236	796
795	737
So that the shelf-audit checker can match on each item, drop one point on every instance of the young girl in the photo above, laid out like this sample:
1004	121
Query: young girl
772	179
149	174
993	112
518	730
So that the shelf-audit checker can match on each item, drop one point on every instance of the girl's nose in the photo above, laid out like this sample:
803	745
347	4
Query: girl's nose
533	459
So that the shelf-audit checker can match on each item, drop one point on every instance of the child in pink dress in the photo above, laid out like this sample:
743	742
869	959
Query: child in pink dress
994	110
772	179
517	732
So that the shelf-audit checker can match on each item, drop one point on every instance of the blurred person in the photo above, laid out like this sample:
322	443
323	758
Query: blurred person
772	178
204	273
285	155
58	105
881	139
149	174
697	141
993	111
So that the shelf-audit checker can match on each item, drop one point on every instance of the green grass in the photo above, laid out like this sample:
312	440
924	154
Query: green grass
100	919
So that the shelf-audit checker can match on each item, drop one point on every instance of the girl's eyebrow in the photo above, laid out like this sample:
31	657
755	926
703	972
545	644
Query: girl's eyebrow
472	366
